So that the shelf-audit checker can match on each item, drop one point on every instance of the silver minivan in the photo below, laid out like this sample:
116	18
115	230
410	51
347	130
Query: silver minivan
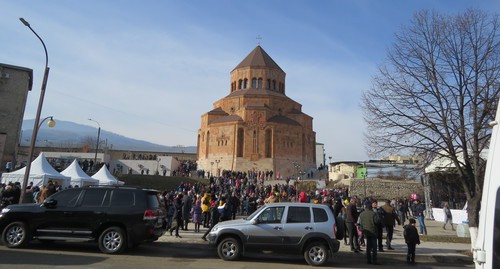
303	228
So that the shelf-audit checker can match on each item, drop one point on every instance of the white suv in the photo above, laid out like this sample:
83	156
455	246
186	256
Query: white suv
307	229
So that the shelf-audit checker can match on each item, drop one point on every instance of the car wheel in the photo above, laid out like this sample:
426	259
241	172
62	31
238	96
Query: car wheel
16	235
113	240
316	254
229	249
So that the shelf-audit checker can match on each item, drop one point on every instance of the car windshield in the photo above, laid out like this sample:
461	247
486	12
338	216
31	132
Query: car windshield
255	213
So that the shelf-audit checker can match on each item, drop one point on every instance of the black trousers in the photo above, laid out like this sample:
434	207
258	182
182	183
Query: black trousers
410	257
178	223
390	232
353	235
380	231
206	219
371	249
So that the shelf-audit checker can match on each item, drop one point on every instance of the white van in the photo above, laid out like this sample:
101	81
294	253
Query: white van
487	249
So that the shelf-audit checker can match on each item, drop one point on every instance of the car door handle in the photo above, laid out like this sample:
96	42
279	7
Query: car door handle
278	228
308	228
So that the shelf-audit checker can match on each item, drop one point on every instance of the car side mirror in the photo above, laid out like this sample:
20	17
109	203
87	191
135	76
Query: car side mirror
50	203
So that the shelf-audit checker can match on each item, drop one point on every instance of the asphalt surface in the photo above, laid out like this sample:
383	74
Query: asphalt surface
191	251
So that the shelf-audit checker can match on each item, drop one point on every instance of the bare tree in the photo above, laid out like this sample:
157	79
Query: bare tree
90	141
437	92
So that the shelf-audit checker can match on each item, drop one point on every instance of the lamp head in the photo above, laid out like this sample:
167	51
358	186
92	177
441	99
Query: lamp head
24	22
51	123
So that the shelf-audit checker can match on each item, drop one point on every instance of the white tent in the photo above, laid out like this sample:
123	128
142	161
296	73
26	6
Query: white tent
106	178
78	176
40	173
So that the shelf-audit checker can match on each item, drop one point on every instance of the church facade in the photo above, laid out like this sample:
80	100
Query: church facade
257	127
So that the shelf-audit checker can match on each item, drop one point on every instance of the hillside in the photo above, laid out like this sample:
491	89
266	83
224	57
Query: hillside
67	133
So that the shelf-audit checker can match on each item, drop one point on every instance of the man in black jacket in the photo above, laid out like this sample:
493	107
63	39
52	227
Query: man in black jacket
178	204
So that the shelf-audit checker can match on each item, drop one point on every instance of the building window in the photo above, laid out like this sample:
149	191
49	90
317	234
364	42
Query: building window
269	146
268	84
240	84
241	142
255	144
245	83
254	83
259	83
207	145
273	85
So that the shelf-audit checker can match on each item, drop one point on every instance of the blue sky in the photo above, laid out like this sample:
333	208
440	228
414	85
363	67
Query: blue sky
150	69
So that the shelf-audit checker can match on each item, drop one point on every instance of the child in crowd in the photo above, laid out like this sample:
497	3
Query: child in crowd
412	239
196	212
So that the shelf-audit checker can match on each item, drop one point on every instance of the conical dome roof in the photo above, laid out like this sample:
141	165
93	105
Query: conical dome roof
258	58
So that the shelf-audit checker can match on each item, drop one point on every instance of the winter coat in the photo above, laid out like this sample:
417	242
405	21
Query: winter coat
205	202
390	216
303	197
368	221
411	235
351	213
197	214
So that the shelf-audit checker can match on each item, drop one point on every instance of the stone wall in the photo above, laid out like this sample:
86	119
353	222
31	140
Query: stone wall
385	189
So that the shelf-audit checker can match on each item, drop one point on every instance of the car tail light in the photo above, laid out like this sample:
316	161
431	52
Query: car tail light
151	214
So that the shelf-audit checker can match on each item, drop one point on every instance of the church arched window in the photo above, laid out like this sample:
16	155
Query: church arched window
241	142
269	147
207	144
273	85
240	84
245	84
254	83
259	83
268	84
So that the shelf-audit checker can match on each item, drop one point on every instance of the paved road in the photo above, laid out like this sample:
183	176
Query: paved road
191	252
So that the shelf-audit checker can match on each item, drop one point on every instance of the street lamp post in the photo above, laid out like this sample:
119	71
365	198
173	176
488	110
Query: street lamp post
38	112
211	169
97	144
217	167
51	123
157	165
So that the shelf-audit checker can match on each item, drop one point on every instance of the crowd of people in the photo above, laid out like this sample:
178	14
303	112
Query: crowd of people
234	193
241	193
10	193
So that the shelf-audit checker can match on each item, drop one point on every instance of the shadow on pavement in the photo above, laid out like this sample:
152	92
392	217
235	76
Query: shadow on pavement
27	257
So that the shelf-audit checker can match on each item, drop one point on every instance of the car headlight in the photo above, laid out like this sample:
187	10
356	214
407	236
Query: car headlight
5	210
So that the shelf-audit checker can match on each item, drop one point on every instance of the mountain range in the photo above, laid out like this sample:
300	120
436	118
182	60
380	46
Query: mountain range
70	134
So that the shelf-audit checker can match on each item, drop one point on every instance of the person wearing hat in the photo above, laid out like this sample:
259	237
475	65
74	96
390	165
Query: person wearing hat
368	221
412	239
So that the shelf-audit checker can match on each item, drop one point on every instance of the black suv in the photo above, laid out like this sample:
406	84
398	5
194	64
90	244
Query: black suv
115	217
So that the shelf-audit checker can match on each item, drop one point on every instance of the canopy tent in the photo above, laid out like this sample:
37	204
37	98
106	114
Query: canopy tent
40	174
106	178
78	176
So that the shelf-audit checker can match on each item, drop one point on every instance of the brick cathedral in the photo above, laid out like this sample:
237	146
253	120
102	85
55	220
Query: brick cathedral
257	127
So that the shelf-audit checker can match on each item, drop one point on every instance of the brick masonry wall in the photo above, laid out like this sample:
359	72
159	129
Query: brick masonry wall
385	189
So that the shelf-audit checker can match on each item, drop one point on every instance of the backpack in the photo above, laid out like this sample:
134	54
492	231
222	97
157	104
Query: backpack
224	211
381	215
